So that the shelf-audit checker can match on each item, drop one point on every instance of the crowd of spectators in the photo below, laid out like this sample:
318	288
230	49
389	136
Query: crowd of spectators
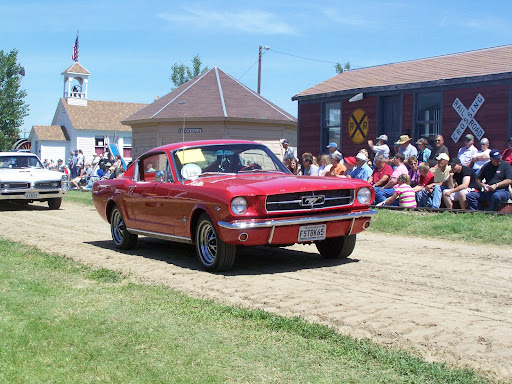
421	175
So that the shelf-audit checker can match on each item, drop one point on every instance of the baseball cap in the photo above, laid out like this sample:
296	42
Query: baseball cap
469	136
454	161
442	156
382	137
332	145
495	154
350	160
361	156
286	141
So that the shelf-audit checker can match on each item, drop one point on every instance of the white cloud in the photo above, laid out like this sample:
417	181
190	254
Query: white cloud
250	21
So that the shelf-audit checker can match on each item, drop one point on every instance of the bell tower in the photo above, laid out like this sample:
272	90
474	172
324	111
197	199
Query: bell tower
76	79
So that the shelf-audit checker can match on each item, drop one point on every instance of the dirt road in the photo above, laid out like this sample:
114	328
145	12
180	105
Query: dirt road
448	301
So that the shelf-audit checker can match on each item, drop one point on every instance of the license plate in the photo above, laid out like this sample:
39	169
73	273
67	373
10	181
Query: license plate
32	195
312	232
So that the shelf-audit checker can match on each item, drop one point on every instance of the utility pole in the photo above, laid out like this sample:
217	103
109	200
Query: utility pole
266	48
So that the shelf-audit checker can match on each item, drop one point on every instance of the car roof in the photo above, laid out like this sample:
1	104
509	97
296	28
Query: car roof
173	146
17	154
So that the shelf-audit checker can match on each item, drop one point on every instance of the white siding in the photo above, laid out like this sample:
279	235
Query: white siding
53	150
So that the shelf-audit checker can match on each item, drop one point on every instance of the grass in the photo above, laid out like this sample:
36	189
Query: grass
473	228
62	322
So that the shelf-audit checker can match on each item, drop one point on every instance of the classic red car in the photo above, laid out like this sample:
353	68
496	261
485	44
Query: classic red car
222	194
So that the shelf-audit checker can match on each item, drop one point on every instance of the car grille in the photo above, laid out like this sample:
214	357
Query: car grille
47	184
306	201
14	185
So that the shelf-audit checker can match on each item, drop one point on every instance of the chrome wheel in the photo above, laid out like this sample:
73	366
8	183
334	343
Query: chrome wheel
120	235
207	243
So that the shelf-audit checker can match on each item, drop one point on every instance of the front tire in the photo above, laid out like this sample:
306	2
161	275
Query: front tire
55	203
337	247
120	235
212	252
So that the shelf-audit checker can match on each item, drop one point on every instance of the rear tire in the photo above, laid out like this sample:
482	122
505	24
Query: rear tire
120	235
337	247
55	203
212	252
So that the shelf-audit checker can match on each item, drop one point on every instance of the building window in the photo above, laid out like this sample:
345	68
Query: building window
428	115
99	145
332	124
127	152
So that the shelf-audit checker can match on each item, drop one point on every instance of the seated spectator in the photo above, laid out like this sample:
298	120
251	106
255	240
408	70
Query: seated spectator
333	149
482	156
414	175
381	149
325	165
507	153
431	194
350	163
406	148
382	193
75	182
424	150
149	168
310	169
362	171
440	148
295	167
467	152
464	181
425	178
337	169
381	173
494	178
403	192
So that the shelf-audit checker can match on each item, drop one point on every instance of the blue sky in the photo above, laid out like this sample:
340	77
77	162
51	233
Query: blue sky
130	46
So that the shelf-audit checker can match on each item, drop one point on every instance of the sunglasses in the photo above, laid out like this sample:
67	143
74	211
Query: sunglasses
438	140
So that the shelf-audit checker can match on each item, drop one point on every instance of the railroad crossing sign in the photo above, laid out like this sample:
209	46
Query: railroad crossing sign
468	118
358	126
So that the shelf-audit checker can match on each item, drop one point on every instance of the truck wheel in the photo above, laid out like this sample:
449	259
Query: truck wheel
213	253
122	238
55	203
337	247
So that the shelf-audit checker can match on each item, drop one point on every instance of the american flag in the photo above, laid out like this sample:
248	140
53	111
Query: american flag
74	57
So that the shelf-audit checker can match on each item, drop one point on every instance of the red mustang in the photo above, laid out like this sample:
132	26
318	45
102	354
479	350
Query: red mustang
222	194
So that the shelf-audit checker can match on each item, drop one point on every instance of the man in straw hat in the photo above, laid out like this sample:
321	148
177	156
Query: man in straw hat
406	148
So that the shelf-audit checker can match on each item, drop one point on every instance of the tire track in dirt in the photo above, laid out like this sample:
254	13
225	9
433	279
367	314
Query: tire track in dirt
448	301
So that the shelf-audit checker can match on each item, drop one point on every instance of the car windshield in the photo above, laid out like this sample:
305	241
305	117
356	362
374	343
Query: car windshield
205	160
18	162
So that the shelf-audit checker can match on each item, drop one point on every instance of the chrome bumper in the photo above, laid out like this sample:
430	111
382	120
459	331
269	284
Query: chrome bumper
20	194
294	220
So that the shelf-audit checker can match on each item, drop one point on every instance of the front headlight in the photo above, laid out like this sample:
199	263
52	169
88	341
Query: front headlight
239	205
64	182
364	196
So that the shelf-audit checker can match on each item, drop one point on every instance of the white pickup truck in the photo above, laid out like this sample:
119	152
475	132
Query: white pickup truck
23	178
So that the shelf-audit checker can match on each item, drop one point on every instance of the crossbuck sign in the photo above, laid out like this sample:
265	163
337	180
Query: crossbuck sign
468	118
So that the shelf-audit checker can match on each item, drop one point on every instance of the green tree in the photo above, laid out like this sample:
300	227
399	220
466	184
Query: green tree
182	73
342	68
12	105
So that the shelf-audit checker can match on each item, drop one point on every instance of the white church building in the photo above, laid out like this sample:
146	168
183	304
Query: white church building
80	123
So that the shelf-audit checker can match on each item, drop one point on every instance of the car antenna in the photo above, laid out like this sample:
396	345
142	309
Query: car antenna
183	149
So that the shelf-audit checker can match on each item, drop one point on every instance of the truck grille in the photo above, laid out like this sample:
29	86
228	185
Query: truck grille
14	185
47	184
307	201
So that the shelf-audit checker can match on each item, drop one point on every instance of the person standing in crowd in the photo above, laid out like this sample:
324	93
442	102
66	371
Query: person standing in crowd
424	150
507	153
464	181
382	193
482	156
414	175
333	148
381	173
310	169
403	192
431	195
440	148
381	149
494	178
467	152
362	171
80	158
406	148
288	151
325	165
337	169
74	159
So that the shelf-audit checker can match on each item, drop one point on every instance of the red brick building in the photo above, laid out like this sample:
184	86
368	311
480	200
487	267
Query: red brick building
452	95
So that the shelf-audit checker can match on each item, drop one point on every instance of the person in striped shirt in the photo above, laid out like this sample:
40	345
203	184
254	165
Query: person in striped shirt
403	192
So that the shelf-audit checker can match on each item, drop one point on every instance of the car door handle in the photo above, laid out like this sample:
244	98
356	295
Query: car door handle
131	187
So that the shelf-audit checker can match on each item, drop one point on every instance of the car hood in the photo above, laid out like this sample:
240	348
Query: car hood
270	184
29	174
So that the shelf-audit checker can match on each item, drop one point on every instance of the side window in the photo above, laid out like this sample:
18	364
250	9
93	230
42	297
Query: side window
154	168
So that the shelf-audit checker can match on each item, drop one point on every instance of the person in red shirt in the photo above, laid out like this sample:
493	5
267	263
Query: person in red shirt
381	173
507	153
425	178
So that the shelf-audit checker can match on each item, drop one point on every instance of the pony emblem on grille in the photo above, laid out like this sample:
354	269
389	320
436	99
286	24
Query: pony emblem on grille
310	201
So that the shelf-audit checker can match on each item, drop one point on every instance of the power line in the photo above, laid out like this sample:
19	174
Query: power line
253	64
302	57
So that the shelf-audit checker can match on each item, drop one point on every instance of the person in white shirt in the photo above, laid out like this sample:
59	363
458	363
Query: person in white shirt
482	156
381	149
467	152
333	149
406	148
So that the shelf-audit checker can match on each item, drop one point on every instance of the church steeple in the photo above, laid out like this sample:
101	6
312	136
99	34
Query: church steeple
76	79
